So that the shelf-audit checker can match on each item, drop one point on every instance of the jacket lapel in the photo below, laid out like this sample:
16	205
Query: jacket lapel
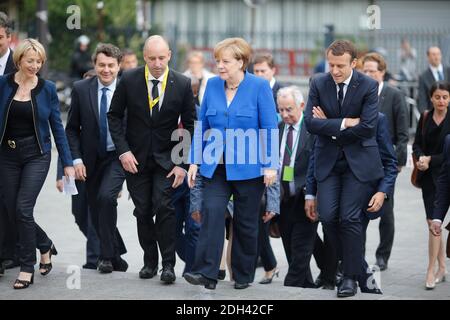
352	88
331	88
93	96
167	95
301	141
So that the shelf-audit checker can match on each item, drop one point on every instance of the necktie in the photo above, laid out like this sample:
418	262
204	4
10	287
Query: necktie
155	94
287	158
440	76
341	94
103	122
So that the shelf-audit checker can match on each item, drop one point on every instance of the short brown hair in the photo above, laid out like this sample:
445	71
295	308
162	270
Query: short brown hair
240	49
264	57
24	46
5	23
108	50
339	47
375	57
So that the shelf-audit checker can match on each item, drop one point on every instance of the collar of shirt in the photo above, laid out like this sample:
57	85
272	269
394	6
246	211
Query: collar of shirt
272	82
295	126
437	69
4	61
380	87
151	77
346	82
111	87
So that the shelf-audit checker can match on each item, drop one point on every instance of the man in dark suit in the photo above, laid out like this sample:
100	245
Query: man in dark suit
8	234
391	102
435	72
442	192
297	232
346	157
264	67
96	159
154	98
375	200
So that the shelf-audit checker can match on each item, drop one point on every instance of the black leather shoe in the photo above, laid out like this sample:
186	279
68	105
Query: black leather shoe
120	265
9	264
222	275
105	266
323	283
381	263
148	272
197	279
347	288
2	270
239	286
90	266
168	274
327	285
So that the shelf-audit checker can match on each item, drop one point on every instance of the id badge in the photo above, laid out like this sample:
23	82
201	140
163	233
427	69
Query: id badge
288	174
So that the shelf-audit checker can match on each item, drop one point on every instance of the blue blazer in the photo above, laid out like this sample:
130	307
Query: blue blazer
389	160
358	143
46	113
443	185
252	109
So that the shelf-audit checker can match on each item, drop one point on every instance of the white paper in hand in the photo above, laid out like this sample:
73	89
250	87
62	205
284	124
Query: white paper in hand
69	187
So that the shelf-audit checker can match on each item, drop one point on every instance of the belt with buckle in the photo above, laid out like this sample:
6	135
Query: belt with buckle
12	144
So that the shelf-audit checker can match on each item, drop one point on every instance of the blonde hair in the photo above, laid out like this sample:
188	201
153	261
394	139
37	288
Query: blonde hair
26	45
240	49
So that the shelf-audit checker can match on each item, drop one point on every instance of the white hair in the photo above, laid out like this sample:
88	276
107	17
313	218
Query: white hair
293	92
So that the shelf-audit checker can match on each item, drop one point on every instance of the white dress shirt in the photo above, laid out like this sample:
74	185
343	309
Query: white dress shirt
150	87
4	61
436	70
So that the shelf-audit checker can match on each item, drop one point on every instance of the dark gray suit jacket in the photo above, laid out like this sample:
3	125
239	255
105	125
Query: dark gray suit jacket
426	80
392	104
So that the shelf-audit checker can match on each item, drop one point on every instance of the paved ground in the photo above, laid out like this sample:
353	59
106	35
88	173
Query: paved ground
404	279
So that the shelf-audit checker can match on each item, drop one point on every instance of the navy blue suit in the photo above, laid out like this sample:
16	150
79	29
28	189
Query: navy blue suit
345	160
385	184
443	184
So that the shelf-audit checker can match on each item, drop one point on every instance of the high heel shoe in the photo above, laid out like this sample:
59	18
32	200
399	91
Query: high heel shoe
48	266
267	280
441	278
23	284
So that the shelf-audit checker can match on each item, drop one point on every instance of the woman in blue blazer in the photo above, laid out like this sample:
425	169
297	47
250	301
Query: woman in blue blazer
236	145
28	104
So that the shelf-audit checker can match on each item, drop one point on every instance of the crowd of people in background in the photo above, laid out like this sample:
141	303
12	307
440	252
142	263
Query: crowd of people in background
333	161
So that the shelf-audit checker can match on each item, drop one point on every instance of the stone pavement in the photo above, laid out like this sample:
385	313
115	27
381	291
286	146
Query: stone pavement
404	279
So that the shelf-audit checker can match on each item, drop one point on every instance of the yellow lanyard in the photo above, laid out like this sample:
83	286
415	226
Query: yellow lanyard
152	102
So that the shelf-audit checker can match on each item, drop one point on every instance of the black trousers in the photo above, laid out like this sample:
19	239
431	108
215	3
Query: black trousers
340	199
24	170
80	211
298	235
387	230
152	193
103	187
325	255
265	251
247	196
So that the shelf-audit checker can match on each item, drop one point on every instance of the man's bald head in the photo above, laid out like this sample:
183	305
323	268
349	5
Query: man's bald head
156	55
156	40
